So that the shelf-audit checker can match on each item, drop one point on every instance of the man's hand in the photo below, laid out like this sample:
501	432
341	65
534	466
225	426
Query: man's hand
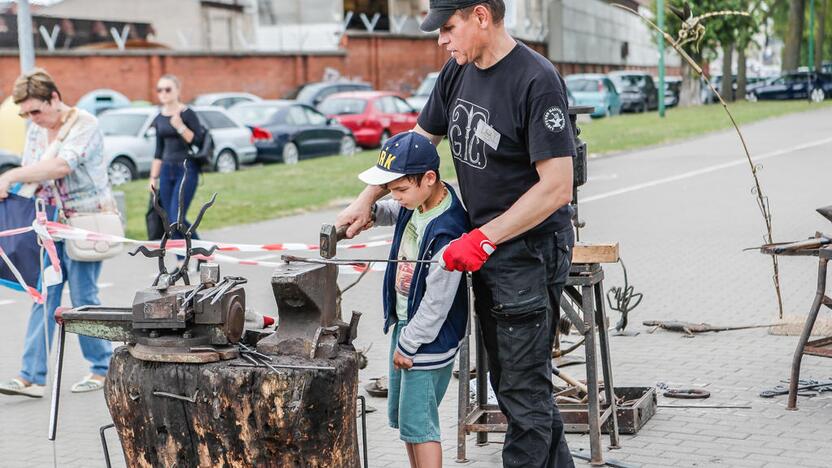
401	362
468	253
4	187
357	216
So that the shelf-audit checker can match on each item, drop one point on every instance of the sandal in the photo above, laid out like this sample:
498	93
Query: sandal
17	387
88	384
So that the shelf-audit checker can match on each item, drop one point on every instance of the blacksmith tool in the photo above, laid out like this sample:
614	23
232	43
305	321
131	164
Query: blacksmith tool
348	261
330	235
815	385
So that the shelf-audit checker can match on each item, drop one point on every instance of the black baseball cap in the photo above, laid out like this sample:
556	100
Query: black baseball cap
441	10
404	154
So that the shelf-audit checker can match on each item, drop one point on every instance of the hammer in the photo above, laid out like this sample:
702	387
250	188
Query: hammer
329	239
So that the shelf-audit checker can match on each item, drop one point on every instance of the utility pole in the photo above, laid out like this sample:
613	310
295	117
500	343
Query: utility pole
660	18
24	36
811	35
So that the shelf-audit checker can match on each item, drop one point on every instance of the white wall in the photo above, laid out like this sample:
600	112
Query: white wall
592	31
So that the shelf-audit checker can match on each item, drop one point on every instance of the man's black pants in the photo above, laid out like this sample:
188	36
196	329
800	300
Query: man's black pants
517	296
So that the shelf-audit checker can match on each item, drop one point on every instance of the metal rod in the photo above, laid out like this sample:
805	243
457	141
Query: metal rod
56	385
464	388
364	427
347	261
104	443
706	406
820	294
608	462
177	397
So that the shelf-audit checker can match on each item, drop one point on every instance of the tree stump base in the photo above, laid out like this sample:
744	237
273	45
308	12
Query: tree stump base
224	414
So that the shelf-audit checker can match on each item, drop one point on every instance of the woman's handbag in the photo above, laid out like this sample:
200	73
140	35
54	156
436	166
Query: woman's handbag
155	229
104	222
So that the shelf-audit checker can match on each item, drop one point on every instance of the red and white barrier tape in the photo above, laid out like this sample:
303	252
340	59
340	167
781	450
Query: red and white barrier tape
48	231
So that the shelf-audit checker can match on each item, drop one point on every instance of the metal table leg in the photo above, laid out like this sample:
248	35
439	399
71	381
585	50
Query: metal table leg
807	332
593	415
482	379
606	362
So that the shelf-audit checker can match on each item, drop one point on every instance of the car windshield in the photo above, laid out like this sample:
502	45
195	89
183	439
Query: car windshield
308	93
343	106
628	82
121	124
254	115
426	87
577	85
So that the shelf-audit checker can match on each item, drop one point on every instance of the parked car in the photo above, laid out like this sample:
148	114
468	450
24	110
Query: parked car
100	100
130	141
801	85
590	89
637	90
225	100
8	161
672	90
314	93
420	97
373	116
289	131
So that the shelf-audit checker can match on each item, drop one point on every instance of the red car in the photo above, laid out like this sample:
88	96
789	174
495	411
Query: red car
373	116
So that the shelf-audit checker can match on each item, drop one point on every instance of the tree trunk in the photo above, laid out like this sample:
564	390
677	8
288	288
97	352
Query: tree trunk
741	72
727	88
794	35
188	415
689	94
821	37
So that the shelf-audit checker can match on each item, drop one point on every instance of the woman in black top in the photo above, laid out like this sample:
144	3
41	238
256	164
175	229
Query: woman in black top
175	125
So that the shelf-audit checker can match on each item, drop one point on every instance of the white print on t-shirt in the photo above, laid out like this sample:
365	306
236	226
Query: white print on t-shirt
554	119
465	145
487	134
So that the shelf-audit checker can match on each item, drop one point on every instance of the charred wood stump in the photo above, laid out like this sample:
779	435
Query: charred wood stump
223	414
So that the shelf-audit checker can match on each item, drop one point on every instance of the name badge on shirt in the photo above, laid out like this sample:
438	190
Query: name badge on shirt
487	134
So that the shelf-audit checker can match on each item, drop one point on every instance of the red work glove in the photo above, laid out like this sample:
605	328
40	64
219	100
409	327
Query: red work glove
468	253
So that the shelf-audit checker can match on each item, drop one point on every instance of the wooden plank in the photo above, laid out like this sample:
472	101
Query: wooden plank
585	252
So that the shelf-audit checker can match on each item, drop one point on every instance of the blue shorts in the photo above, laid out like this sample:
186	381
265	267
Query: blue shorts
413	398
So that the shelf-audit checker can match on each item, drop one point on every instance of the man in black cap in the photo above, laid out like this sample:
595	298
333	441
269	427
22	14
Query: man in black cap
503	108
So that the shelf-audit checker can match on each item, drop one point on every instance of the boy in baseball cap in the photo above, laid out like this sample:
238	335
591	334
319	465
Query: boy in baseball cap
425	305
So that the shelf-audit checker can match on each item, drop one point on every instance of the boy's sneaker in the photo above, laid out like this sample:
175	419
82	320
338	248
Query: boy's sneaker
17	387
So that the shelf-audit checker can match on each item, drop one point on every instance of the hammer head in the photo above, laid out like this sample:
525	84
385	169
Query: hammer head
330	235
826	212
329	241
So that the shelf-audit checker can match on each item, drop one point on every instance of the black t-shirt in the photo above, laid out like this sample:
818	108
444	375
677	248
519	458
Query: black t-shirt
523	98
170	146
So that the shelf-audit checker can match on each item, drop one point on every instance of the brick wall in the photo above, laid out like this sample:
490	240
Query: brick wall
388	62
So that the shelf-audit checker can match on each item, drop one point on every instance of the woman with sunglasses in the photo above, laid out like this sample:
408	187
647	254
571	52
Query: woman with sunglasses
63	161
177	127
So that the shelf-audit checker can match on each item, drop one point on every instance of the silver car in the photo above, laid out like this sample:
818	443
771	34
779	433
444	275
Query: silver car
224	100
130	141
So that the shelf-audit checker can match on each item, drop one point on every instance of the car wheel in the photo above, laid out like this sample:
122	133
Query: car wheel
121	171
347	146
290	153
385	135
818	95
226	162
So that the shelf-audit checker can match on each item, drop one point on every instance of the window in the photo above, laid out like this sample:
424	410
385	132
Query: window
386	105
254	115
213	120
314	117
402	107
296	116
343	106
122	124
582	85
